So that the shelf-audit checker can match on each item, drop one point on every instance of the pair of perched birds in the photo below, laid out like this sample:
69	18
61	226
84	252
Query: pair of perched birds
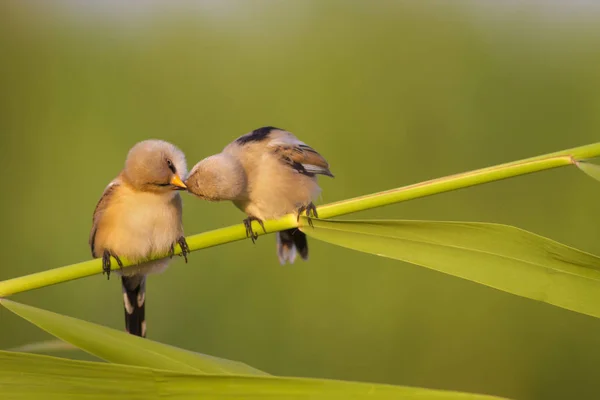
267	173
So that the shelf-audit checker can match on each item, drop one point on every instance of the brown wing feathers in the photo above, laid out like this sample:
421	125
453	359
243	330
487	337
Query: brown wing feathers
303	159
102	204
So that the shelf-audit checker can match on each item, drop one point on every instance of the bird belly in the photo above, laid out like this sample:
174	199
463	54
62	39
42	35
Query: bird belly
275	195
140	227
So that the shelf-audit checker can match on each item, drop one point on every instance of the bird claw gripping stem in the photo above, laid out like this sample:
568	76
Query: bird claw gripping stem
185	249
311	212
106	262
248	224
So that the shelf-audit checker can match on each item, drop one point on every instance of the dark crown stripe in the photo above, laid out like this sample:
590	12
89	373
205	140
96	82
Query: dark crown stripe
257	135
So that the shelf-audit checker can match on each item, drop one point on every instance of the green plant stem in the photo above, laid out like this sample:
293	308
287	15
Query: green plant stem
237	232
460	181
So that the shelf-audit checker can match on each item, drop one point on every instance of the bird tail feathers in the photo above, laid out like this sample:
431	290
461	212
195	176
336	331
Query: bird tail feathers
134	300
290	243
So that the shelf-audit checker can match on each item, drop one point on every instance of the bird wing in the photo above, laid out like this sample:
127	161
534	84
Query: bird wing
99	211
299	155
178	204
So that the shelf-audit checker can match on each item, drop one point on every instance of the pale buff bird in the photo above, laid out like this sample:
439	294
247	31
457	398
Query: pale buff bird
139	216
266	173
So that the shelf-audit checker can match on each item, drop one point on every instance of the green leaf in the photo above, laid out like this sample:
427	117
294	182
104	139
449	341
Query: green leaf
123	348
45	346
31	376
499	256
590	169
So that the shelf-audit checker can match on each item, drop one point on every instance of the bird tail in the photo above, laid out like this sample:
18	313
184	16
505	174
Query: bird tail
290	243
134	300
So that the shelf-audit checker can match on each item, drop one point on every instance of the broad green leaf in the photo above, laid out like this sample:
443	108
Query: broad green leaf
31	376
45	346
500	256
590	169
123	348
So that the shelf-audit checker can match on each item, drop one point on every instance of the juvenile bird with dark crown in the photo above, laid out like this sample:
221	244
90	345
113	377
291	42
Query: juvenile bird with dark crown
266	173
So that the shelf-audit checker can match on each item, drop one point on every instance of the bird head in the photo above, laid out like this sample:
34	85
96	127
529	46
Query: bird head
156	166
218	177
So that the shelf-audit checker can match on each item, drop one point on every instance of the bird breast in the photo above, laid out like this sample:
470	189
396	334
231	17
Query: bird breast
139	225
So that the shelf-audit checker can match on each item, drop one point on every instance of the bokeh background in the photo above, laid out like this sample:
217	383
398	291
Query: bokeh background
392	93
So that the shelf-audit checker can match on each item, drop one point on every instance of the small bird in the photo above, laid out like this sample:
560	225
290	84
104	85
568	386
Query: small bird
139	216
266	173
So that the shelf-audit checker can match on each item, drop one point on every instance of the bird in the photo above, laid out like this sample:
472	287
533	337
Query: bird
267	173
139	216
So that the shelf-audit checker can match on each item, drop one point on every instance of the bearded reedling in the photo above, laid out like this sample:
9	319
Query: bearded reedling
266	173
139	216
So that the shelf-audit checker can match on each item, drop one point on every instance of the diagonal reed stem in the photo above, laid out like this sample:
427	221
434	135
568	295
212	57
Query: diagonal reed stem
362	203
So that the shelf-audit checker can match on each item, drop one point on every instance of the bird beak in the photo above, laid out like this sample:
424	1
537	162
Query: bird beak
177	183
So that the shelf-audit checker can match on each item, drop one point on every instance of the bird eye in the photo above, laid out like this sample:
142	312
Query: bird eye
170	165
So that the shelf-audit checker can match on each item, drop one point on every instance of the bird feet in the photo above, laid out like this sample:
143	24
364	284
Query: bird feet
106	262
248	224
185	249
311	212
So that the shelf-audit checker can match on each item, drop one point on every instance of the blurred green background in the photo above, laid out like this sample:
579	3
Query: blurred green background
391	93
